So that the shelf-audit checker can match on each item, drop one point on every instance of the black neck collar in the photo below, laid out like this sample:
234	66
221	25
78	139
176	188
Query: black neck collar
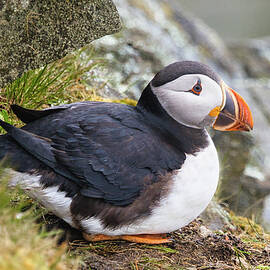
186	139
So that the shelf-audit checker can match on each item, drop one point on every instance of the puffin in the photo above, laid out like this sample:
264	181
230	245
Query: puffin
116	171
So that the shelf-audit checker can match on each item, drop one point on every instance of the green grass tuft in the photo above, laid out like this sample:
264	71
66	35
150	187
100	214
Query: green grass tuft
24	245
57	83
263	267
48	85
162	249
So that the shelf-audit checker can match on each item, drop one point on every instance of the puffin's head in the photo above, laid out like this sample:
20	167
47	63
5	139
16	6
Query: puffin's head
195	96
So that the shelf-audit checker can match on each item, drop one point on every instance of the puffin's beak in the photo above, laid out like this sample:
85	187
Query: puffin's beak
235	114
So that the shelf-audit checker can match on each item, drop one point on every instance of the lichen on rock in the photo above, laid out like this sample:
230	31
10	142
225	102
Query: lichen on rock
34	33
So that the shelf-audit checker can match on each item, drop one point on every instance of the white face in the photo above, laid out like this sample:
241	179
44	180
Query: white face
197	108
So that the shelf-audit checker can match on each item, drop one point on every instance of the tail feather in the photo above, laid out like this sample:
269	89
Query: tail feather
13	155
6	126
28	115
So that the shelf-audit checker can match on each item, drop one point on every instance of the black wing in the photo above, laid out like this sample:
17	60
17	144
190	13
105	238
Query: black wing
107	149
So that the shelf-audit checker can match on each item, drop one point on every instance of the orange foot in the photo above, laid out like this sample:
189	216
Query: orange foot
139	238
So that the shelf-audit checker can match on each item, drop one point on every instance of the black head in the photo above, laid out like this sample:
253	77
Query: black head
178	69
188	91
195	96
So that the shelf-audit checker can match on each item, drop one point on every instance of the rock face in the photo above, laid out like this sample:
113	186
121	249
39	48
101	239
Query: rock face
34	33
159	32
254	56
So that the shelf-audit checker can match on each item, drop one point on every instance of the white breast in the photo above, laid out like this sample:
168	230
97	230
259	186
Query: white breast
193	188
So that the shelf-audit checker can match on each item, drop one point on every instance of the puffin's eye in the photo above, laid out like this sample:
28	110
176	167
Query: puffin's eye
197	88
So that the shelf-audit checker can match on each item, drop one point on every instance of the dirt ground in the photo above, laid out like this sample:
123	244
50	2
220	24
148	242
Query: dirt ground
193	247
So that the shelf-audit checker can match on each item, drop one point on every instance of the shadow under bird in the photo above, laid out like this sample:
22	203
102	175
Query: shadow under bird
116	171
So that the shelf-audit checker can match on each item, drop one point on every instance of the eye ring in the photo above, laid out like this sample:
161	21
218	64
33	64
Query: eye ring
197	88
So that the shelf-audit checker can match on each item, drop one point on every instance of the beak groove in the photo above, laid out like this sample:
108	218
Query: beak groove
235	115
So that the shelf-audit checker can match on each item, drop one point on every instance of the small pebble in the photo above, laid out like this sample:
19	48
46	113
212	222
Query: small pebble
204	231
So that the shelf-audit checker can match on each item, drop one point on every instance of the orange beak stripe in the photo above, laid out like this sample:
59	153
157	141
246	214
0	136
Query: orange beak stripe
244	120
236	115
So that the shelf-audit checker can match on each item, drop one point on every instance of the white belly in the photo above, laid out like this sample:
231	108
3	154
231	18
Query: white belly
52	199
193	188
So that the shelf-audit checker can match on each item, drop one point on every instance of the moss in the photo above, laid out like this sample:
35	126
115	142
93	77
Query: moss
127	101
250	232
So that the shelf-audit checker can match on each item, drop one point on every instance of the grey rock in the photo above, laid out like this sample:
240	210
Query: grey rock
215	217
155	34
266	214
34	33
252	196
254	56
234	154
